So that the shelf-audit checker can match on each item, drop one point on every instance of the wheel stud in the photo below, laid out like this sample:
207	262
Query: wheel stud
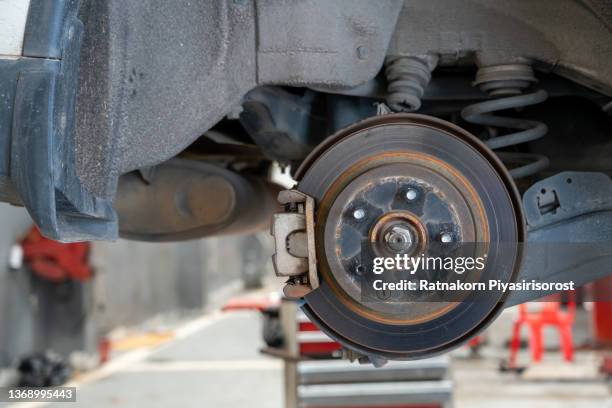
446	237
411	194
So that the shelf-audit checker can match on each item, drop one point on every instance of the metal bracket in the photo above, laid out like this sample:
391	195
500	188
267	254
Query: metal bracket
570	223
295	254
566	195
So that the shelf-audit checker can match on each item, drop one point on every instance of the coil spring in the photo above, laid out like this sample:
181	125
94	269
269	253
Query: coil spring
499	83
407	78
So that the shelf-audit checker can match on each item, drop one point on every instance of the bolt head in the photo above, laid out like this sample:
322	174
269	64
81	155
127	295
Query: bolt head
359	213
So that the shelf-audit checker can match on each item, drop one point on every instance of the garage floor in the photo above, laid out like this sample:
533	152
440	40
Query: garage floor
213	361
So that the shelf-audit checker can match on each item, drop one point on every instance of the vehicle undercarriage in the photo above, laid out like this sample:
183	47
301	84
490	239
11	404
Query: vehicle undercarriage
409	127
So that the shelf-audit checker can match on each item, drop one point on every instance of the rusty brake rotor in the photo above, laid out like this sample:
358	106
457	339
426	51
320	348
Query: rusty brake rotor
406	184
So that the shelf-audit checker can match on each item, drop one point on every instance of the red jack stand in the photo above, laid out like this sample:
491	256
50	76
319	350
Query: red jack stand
550	314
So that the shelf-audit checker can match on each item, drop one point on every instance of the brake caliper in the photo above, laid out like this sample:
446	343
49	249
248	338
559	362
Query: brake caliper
295	256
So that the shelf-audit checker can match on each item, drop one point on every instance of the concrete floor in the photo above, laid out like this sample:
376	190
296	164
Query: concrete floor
479	384
553	383
218	366
214	362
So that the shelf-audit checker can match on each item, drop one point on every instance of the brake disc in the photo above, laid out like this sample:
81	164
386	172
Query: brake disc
411	184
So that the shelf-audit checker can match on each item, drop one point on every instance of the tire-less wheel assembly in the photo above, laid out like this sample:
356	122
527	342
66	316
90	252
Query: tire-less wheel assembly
397	184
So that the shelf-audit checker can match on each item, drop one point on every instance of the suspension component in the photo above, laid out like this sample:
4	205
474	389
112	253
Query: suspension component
506	83
407	77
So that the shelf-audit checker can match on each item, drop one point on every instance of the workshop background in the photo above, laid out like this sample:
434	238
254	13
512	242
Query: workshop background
202	323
